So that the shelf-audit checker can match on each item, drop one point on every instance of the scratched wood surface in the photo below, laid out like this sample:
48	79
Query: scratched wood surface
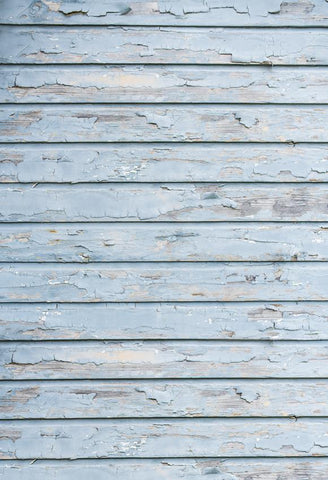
164	84
155	45
170	469
273	13
169	359
180	162
215	202
137	321
163	241
137	242
167	123
175	438
158	282
163	398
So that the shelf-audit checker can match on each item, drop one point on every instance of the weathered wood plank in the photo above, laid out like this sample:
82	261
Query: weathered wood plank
239	321
163	163
164	84
123	45
139	242
150	123
142	399
159	359
164	202
173	438
161	12
157	283
169	469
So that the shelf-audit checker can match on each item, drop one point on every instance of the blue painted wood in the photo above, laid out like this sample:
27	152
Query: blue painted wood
189	261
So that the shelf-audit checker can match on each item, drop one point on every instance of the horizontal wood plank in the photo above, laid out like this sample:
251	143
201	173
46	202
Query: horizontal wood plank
164	202
124	45
169	359
137	242
163	84
173	438
167	469
150	123
163	163
240	321
161	12
142	399
157	283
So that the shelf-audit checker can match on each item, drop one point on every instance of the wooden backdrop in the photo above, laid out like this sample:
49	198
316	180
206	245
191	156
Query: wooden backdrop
164	239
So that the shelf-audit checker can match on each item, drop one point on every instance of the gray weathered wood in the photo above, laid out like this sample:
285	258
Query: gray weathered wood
162	282
167	469
165	359
239	321
123	45
161	84
150	123
173	438
163	163
136	242
142	399
164	202
162	12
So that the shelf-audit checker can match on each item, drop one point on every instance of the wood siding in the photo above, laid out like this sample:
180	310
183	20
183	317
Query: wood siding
164	239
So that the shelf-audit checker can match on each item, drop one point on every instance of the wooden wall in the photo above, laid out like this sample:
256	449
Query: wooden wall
164	239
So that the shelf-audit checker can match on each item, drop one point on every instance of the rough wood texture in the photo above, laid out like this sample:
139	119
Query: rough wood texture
142	399
239	321
164	202
163	163
169	359
123	45
177	84
162	12
149	123
137	242
156	282
174	438
168	469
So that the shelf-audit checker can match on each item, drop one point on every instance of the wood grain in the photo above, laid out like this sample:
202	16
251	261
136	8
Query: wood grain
163	84
239	321
150	123
135	12
158	283
137	242
174	438
181	45
168	469
142	399
163	163
164	202
166	359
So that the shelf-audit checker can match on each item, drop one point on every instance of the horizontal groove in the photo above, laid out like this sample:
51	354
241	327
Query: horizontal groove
135	458
165	182
212	341
158	64
166	340
181	66
176	379
155	106
161	142
165	418
170	104
163	26
157	302
168	262
72	461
